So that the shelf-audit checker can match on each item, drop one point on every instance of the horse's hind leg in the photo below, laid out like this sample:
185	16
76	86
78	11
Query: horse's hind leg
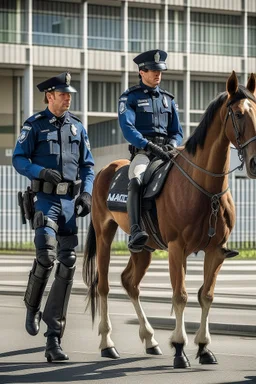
212	264
104	240
131	278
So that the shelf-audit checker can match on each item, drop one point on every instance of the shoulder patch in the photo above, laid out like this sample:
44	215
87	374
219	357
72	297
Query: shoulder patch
23	135
166	92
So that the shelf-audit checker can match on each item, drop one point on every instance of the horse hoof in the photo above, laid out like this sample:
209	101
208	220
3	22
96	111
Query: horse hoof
181	361
154	350
207	358
110	353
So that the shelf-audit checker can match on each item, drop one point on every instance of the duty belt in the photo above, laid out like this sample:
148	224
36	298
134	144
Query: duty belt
65	188
159	140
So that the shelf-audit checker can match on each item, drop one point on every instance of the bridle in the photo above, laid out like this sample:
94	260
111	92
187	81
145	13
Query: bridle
215	198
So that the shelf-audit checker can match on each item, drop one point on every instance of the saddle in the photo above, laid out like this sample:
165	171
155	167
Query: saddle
153	182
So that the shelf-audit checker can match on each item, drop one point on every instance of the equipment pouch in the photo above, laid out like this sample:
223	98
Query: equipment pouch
28	205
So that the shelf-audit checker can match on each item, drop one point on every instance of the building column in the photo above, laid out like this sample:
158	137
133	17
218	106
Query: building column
28	72
166	27
186	82
245	47
125	72
17	106
84	69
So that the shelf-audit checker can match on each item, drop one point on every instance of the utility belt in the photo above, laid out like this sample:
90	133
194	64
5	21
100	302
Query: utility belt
158	140
66	188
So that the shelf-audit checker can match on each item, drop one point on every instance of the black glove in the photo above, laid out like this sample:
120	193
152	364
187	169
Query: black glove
170	145
50	175
157	151
85	202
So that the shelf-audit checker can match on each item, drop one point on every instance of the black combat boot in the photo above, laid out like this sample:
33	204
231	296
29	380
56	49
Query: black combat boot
37	281
138	237
53	351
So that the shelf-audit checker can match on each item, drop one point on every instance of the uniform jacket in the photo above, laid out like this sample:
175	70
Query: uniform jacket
43	143
145	111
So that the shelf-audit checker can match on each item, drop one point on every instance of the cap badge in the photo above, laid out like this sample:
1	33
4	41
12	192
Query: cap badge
157	57
73	129
68	78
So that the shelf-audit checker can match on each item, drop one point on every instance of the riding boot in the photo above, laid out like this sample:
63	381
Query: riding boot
138	237
53	351
37	281
55	310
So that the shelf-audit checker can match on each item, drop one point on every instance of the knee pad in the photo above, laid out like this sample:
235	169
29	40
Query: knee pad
45	249
66	249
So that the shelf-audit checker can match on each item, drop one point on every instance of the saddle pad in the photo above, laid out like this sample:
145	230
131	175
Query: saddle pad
117	197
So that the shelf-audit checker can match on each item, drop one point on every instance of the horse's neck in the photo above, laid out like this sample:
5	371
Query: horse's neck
215	155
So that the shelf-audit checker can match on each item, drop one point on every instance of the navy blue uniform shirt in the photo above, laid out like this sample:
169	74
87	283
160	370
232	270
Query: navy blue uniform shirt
43	143
145	111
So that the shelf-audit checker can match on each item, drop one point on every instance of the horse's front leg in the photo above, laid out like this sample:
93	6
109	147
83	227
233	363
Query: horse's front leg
212	263
177	267
131	278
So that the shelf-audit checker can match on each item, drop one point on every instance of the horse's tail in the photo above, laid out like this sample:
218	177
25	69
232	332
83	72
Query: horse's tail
89	271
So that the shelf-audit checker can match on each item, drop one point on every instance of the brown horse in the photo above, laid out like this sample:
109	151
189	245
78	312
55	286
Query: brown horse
195	211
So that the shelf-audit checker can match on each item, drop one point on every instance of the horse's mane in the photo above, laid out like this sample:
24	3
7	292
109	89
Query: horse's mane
199	135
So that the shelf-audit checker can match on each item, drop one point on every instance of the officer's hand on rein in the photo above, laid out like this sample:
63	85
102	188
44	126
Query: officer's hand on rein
83	204
50	175
157	151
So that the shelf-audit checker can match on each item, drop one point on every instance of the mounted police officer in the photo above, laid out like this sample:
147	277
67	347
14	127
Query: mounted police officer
53	152
149	121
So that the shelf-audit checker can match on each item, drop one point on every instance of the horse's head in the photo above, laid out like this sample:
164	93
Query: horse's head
240	127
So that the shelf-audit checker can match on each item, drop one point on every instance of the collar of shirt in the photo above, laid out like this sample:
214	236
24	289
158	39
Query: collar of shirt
153	91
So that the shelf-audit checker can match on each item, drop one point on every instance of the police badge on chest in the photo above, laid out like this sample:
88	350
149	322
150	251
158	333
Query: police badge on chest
73	129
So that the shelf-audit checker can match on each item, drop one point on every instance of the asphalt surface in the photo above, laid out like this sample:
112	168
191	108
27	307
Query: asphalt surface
233	310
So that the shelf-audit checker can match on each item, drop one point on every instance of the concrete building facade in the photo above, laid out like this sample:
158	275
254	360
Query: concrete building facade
96	41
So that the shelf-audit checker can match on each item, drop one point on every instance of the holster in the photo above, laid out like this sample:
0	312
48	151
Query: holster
28	205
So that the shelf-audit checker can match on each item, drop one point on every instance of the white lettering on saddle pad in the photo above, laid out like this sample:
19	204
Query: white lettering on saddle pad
118	197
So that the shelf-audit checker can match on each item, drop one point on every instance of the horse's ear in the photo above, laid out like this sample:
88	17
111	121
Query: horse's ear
232	84
251	84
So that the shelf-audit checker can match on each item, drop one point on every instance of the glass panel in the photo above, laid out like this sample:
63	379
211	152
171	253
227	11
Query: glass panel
142	29
103	96
57	24
13	23
216	34
177	31
252	36
104	28
105	133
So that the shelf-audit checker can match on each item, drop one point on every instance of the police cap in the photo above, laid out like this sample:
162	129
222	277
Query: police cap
153	60
59	83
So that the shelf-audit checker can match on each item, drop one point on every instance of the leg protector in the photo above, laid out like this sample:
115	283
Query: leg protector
38	278
138	237
55	310
37	281
66	249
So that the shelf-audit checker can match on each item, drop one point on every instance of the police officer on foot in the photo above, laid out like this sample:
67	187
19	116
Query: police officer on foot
150	123
53	152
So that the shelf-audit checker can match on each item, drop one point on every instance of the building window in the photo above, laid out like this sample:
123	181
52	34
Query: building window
104	28
57	23
103	96
13	22
142	29
105	133
202	93
216	34
177	31
252	36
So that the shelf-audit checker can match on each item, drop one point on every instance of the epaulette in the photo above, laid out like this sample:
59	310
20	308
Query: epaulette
132	89
36	116
166	92
75	117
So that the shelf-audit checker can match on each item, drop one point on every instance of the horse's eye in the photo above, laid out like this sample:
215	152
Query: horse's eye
239	115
